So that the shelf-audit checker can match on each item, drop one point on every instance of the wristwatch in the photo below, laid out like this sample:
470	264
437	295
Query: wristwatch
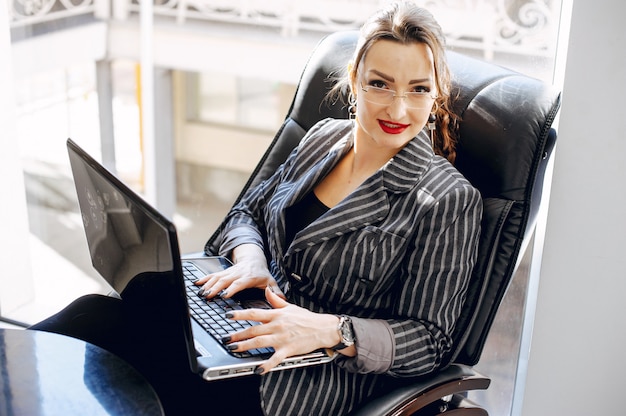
346	332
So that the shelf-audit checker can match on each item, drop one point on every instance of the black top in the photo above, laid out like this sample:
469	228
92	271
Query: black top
303	213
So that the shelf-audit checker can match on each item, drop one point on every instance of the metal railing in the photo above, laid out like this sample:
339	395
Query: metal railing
514	26
31	12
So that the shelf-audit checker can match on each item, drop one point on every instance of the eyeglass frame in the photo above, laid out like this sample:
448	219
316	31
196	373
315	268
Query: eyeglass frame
394	94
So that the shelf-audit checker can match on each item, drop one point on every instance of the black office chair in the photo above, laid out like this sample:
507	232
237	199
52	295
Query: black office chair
505	143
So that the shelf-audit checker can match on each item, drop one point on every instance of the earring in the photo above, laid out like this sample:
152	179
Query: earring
351	106
432	127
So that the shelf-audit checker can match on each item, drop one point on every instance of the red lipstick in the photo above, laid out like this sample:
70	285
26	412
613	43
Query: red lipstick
391	127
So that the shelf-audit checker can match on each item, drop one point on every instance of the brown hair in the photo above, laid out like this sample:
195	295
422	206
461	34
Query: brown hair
405	22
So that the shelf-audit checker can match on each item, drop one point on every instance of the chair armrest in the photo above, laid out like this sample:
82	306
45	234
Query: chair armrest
419	393
196	255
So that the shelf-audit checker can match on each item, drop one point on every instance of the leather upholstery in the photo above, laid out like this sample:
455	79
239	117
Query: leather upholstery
505	140
505	143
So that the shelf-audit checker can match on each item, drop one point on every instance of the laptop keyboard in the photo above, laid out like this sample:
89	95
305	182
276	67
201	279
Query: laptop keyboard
210	313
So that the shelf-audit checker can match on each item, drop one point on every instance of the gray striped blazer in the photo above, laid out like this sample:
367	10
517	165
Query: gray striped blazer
396	255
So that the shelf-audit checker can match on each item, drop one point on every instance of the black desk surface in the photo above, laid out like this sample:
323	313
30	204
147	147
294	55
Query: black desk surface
49	374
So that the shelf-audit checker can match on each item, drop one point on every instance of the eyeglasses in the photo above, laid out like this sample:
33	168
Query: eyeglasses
384	96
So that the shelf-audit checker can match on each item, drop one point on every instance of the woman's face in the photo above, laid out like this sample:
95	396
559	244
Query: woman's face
405	69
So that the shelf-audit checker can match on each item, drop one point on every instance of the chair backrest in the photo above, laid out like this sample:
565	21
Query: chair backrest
505	142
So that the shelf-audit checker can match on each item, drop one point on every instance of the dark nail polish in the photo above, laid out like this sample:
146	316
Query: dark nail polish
258	370
229	315
222	294
201	292
232	347
226	339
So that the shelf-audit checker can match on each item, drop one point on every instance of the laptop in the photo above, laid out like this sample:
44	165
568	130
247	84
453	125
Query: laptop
129	239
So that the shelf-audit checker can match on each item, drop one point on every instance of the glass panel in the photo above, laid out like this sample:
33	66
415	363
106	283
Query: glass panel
52	106
54	46
240	102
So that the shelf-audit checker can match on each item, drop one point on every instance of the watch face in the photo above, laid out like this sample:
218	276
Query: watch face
346	331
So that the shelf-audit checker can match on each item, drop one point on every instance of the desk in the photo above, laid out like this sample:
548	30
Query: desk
50	374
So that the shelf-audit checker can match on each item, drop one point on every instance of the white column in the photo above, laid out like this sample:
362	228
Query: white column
147	101
16	280
104	85
164	153
157	113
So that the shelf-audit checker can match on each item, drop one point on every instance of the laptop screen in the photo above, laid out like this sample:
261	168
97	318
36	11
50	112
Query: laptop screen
123	236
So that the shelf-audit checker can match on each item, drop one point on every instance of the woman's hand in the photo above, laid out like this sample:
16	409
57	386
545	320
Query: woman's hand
249	271
289	329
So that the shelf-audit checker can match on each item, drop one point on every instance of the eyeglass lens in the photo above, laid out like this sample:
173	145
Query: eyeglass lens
385	97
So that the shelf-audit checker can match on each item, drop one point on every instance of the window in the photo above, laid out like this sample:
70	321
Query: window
240	102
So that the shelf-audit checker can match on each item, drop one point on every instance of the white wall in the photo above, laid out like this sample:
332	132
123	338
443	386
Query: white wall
59	49
577	364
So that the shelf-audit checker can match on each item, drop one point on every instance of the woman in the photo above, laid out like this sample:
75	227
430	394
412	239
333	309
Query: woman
364	241
365	237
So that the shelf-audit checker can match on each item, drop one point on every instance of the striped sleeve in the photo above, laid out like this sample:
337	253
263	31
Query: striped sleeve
437	275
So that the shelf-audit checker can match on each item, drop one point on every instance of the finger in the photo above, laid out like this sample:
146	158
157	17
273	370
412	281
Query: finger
213	287
274	288
272	362
234	338
235	286
204	279
275	299
219	283
244	334
252	314
236	344
201	281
